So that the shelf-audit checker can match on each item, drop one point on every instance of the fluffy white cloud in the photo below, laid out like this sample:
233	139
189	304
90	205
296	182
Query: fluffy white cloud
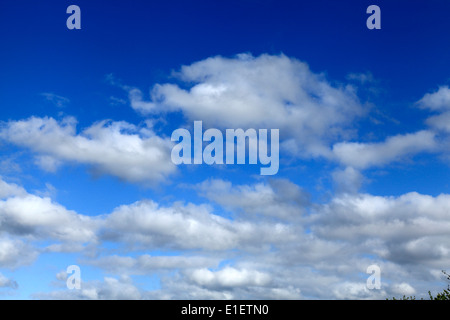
146	263
117	148
7	283
228	277
273	92
283	93
318	250
277	198
403	289
27	219
113	289
323	255
187	227
10	189
225	284
15	253
348	180
179	227
39	218
441	121
365	155
356	291
438	100
108	289
411	228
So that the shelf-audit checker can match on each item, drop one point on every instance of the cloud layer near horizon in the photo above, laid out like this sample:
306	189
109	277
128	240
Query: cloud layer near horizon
229	258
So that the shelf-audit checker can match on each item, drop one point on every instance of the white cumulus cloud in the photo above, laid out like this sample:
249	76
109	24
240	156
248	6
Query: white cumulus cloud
364	155
117	148
272	92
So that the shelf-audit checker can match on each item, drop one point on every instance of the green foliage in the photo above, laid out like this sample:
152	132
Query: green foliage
444	295
405	298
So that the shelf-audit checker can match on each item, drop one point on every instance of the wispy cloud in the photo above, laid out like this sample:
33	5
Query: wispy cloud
56	100
362	78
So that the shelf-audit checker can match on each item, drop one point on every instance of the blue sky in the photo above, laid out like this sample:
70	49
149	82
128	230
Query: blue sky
86	176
